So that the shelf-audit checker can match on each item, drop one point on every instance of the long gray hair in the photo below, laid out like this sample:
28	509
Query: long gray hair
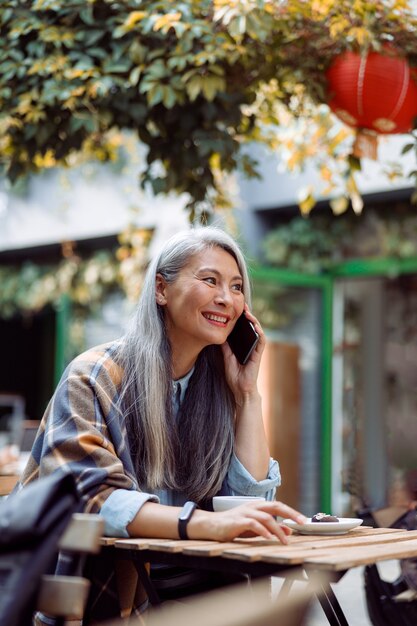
190	454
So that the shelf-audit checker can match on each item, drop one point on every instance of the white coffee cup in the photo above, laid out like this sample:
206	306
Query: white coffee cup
223	503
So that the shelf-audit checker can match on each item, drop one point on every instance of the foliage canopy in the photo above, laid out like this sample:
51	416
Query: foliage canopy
195	79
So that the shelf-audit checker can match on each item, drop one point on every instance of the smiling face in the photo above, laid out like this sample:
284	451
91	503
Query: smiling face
203	303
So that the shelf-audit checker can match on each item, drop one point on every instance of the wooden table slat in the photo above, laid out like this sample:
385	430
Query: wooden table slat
256	553
345	558
214	549
360	530
177	545
140	544
108	541
374	531
160	545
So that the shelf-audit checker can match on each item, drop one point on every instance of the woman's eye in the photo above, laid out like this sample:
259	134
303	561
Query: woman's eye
238	287
210	279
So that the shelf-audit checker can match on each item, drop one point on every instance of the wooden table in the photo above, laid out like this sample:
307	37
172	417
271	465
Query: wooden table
7	482
257	557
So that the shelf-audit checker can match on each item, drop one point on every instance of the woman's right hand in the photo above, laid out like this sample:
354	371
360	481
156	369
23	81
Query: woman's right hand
255	518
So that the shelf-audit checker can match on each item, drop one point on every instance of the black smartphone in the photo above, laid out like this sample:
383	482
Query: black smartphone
243	339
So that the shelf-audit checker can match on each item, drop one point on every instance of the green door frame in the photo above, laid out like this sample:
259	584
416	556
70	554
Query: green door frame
62	320
384	267
325	284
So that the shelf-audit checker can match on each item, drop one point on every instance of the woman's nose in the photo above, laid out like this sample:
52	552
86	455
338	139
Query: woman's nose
223	296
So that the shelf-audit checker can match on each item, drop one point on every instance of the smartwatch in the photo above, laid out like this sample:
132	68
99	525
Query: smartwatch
184	517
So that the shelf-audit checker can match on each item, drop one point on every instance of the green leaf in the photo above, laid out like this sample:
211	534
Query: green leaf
6	15
169	97
97	53
158	70
84	63
155	95
408	147
194	87
135	74
87	16
354	163
110	67
159	185
211	85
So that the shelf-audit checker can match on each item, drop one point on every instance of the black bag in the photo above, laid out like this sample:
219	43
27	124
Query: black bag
383	608
31	524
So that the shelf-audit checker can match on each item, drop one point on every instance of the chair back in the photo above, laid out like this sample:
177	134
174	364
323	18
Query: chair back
64	596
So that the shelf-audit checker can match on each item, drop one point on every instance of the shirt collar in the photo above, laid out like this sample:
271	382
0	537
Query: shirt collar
182	384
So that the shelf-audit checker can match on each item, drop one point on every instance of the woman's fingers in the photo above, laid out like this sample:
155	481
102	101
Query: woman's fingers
258	518
279	509
269	523
287	530
255	322
255	527
283	510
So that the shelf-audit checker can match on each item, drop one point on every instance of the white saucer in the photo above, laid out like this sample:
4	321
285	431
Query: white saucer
343	526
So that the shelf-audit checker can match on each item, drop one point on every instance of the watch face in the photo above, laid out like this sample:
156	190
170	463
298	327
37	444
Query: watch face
187	510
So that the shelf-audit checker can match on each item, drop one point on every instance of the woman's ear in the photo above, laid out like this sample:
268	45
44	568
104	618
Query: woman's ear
160	284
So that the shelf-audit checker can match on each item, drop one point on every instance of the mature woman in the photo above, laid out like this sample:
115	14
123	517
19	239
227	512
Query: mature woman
167	415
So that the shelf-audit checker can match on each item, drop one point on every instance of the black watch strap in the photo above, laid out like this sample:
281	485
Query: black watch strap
184	517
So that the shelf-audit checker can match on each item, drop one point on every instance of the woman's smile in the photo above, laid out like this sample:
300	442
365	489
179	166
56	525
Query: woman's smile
216	318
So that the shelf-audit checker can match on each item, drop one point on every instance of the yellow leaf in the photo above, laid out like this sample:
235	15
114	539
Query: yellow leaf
166	21
34	116
338	26
306	205
215	161
337	140
325	173
45	161
351	186
357	203
322	8
134	18
306	200
359	34
339	205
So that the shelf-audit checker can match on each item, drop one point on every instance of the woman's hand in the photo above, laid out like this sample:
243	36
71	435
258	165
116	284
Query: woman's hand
248	520
242	378
251	447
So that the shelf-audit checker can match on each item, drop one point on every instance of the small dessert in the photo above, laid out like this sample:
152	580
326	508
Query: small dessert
324	517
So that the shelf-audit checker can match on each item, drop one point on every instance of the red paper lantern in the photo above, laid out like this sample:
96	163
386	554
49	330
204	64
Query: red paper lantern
373	91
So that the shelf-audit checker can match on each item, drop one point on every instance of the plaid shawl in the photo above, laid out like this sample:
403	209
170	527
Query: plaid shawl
83	431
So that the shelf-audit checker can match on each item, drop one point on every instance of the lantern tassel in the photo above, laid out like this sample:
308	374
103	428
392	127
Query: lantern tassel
365	145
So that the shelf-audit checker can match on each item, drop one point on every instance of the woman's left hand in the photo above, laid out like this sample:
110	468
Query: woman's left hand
242	378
